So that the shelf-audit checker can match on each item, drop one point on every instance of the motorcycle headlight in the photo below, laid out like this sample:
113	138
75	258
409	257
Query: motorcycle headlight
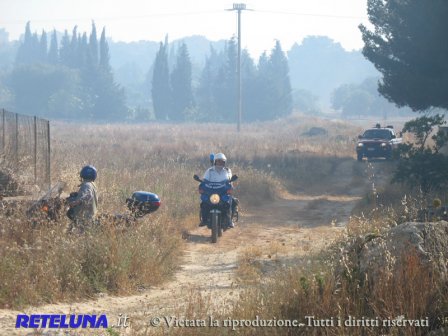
214	199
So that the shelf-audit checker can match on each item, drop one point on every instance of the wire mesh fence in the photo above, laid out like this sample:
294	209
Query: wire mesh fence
24	154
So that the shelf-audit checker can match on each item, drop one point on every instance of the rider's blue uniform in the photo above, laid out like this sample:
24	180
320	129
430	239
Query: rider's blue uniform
218	179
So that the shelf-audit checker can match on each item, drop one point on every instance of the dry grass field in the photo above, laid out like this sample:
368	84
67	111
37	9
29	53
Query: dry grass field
45	264
297	194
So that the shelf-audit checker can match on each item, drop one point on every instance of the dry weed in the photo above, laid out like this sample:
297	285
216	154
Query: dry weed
45	264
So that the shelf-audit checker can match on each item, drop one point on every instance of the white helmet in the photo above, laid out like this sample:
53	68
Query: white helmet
220	156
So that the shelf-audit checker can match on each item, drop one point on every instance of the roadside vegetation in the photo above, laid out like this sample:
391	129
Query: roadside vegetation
332	286
339	291
44	264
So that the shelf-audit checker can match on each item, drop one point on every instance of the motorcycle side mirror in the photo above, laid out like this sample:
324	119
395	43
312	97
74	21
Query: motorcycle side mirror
196	178
233	178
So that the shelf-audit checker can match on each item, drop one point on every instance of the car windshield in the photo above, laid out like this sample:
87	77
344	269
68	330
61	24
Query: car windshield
377	134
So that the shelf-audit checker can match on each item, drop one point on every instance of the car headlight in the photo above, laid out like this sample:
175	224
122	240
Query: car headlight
360	144
214	199
383	144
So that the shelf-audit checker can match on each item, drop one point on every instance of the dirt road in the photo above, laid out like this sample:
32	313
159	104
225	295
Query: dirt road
279	232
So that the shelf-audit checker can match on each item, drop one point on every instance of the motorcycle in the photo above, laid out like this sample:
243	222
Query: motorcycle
49	207
217	197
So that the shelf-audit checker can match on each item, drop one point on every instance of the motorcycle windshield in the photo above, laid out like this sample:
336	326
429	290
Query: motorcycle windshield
215	187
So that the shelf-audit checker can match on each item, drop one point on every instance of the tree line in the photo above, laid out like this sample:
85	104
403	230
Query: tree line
71	78
70	81
266	87
363	100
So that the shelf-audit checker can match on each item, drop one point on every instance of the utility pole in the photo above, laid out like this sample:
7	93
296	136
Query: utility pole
239	7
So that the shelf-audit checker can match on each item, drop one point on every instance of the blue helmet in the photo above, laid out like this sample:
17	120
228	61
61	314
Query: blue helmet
88	173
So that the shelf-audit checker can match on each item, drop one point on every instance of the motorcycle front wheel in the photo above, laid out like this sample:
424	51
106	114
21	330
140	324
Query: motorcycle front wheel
215	227
219	226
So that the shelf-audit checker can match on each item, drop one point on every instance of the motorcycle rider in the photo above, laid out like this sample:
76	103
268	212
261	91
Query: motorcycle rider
84	204
217	173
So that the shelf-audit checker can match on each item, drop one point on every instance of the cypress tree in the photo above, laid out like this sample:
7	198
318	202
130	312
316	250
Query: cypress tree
181	85
161	91
34	49
225	89
53	52
93	45
74	48
90	70
273	85
104	52
24	53
64	52
207	86
109	103
29	51
281	84
250	94
82	53
264	103
43	46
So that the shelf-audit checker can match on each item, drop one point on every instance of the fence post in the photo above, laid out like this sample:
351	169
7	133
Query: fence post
16	144
48	155
14	135
35	150
3	130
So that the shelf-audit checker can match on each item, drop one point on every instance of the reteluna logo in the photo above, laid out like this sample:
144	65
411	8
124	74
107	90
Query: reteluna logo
61	321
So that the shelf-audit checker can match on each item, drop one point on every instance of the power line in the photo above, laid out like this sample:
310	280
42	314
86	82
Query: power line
313	14
170	14
114	18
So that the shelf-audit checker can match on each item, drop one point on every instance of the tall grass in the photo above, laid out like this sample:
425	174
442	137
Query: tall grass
50	265
45	264
323	289
333	286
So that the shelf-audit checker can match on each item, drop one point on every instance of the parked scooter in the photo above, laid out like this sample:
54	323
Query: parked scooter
52	205
140	204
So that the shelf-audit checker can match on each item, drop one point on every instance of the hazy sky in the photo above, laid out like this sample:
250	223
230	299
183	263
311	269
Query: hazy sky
132	20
